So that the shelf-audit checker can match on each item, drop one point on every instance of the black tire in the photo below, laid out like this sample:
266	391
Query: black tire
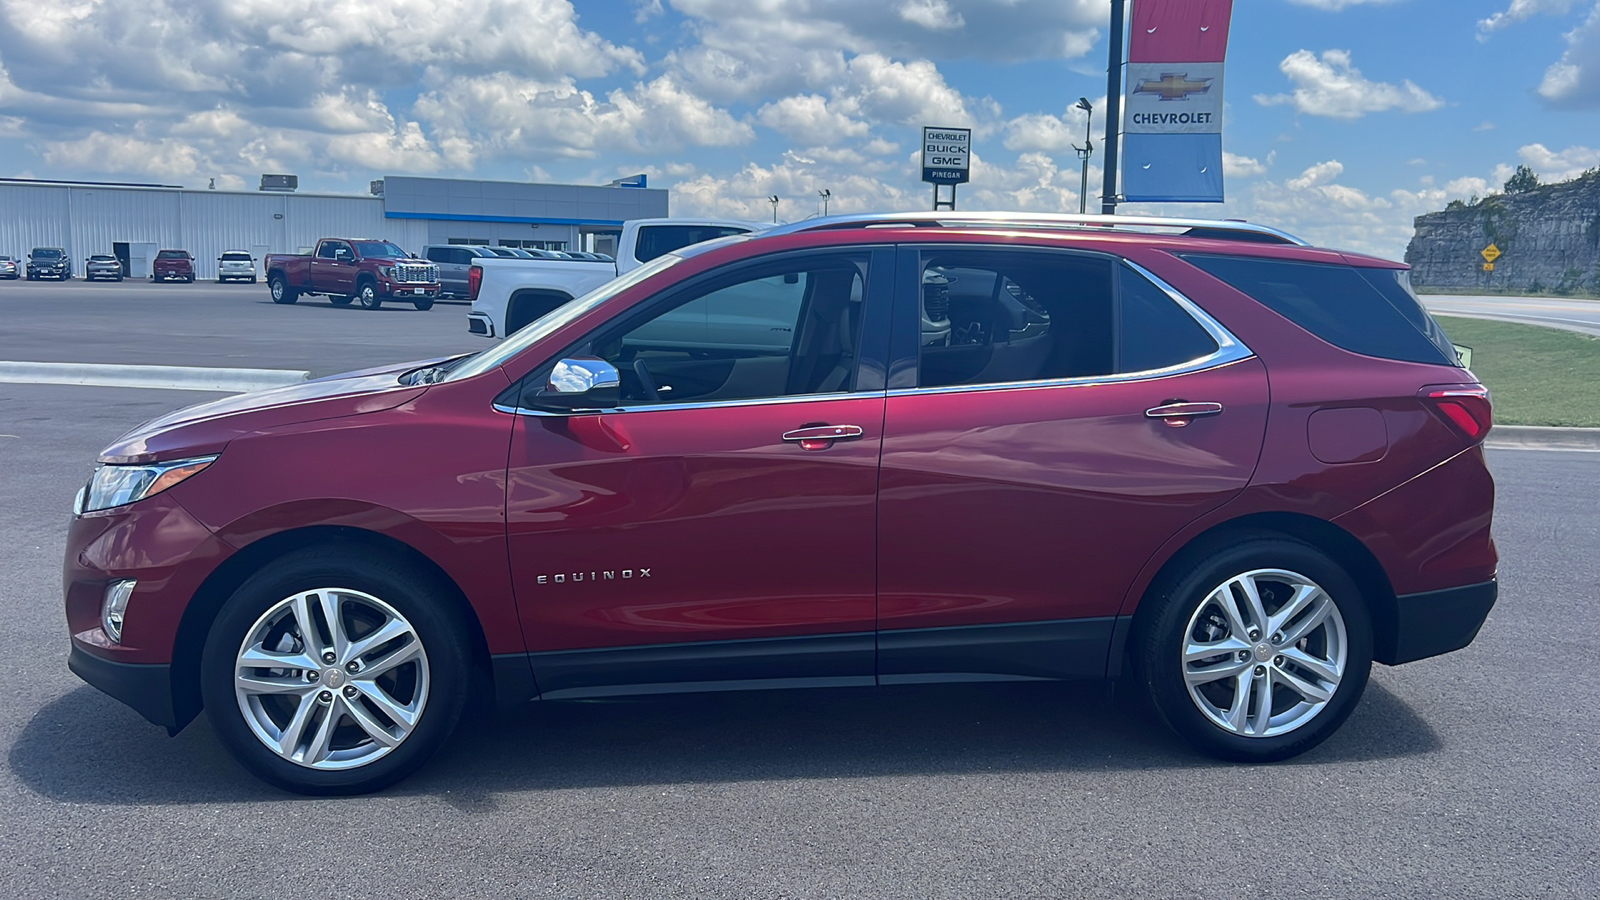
340	299
367	294
423	303
281	292
415	594
252	279
119	278
1178	610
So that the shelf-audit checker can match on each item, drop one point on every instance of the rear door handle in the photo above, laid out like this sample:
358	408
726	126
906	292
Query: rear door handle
1179	412
818	437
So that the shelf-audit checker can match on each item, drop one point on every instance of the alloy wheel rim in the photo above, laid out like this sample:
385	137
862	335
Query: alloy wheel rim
277	290
331	679
1264	653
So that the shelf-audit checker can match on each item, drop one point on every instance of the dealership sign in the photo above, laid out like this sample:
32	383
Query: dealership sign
946	155
1172	118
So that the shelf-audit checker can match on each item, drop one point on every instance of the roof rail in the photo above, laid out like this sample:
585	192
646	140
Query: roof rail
1224	229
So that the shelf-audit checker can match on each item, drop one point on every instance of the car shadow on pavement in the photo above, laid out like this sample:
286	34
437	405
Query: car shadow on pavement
86	748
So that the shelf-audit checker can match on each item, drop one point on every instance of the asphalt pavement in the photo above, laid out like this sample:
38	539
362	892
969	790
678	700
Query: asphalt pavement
1569	315
1469	775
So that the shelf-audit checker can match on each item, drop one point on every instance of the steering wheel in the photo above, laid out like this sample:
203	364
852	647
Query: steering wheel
646	381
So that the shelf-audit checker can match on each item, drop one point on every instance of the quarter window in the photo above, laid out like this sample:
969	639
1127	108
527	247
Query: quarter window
778	330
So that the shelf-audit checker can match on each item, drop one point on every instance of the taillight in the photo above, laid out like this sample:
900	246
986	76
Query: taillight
1465	406
474	281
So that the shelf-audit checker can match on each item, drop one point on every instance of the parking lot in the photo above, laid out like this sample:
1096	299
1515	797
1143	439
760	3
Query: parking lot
1470	775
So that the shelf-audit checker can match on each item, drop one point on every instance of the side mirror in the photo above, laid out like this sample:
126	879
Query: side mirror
584	383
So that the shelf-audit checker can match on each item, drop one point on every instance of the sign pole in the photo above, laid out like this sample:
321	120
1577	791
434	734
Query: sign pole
1108	199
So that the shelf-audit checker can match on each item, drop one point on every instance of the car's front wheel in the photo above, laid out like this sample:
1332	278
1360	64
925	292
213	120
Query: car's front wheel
423	303
1258	651
369	296
334	673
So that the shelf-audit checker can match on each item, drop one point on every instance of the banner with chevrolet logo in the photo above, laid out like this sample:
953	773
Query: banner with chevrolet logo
1172	119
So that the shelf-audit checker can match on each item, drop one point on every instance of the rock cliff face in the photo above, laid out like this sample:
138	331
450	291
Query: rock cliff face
1549	240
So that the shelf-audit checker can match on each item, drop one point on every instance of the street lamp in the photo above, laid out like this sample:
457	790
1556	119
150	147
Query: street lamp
825	194
774	201
1084	152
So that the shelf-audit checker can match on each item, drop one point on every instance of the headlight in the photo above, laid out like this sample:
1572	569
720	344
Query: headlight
120	485
386	271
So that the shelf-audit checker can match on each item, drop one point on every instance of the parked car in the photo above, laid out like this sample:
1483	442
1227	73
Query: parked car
453	261
8	267
346	269
236	265
49	262
102	266
507	295
173	265
1229	468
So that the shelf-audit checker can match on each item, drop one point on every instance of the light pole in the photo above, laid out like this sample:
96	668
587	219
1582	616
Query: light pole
774	201
825	194
1084	152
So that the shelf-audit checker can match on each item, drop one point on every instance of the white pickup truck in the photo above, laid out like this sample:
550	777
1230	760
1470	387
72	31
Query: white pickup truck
507	294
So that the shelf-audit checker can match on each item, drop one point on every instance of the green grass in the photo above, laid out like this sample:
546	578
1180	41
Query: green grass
1538	376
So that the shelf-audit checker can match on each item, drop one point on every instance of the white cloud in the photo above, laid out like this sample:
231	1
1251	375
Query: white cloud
808	117
1236	166
1520	10
503	115
1321	173
125	154
934	15
1574	80
1332	86
1562	165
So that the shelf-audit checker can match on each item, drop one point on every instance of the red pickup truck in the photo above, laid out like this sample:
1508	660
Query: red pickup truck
367	270
173	265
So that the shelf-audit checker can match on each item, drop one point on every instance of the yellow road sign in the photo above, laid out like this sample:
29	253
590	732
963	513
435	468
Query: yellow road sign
1490	254
1488	267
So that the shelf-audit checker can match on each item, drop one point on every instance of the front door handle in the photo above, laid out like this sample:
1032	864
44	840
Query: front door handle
1178	413
819	437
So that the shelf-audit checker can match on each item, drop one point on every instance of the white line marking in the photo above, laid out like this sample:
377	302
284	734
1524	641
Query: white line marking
172	378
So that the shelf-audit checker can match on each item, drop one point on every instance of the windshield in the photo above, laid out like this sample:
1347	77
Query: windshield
173	254
378	250
232	256
102	258
46	253
538	329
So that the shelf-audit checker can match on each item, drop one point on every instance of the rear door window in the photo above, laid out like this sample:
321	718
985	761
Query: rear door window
1005	315
1366	311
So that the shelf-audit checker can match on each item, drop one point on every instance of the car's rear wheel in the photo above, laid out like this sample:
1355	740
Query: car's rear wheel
368	294
340	299
1257	651
281	292
331	672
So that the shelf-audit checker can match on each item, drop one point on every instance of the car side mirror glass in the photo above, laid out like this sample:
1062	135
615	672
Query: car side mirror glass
581	383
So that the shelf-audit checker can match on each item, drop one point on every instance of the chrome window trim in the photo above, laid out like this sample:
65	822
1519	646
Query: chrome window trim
704	404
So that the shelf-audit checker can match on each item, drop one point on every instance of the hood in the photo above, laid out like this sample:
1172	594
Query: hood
206	428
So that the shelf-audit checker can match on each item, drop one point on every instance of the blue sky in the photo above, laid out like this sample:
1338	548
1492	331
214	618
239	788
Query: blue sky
1345	118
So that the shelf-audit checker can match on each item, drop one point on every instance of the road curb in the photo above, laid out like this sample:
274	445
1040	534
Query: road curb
172	378
1543	437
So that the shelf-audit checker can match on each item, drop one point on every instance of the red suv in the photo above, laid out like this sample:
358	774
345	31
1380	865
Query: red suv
1202	456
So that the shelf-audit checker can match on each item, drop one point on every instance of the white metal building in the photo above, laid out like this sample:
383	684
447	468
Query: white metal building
134	221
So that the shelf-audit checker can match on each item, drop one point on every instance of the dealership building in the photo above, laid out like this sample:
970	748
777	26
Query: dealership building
134	221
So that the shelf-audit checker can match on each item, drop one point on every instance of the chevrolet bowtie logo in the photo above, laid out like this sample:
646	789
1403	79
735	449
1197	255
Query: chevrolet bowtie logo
1174	86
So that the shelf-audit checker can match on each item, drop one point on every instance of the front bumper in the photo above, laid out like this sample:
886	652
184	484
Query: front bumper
409	290
146	687
170	554
1434	622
